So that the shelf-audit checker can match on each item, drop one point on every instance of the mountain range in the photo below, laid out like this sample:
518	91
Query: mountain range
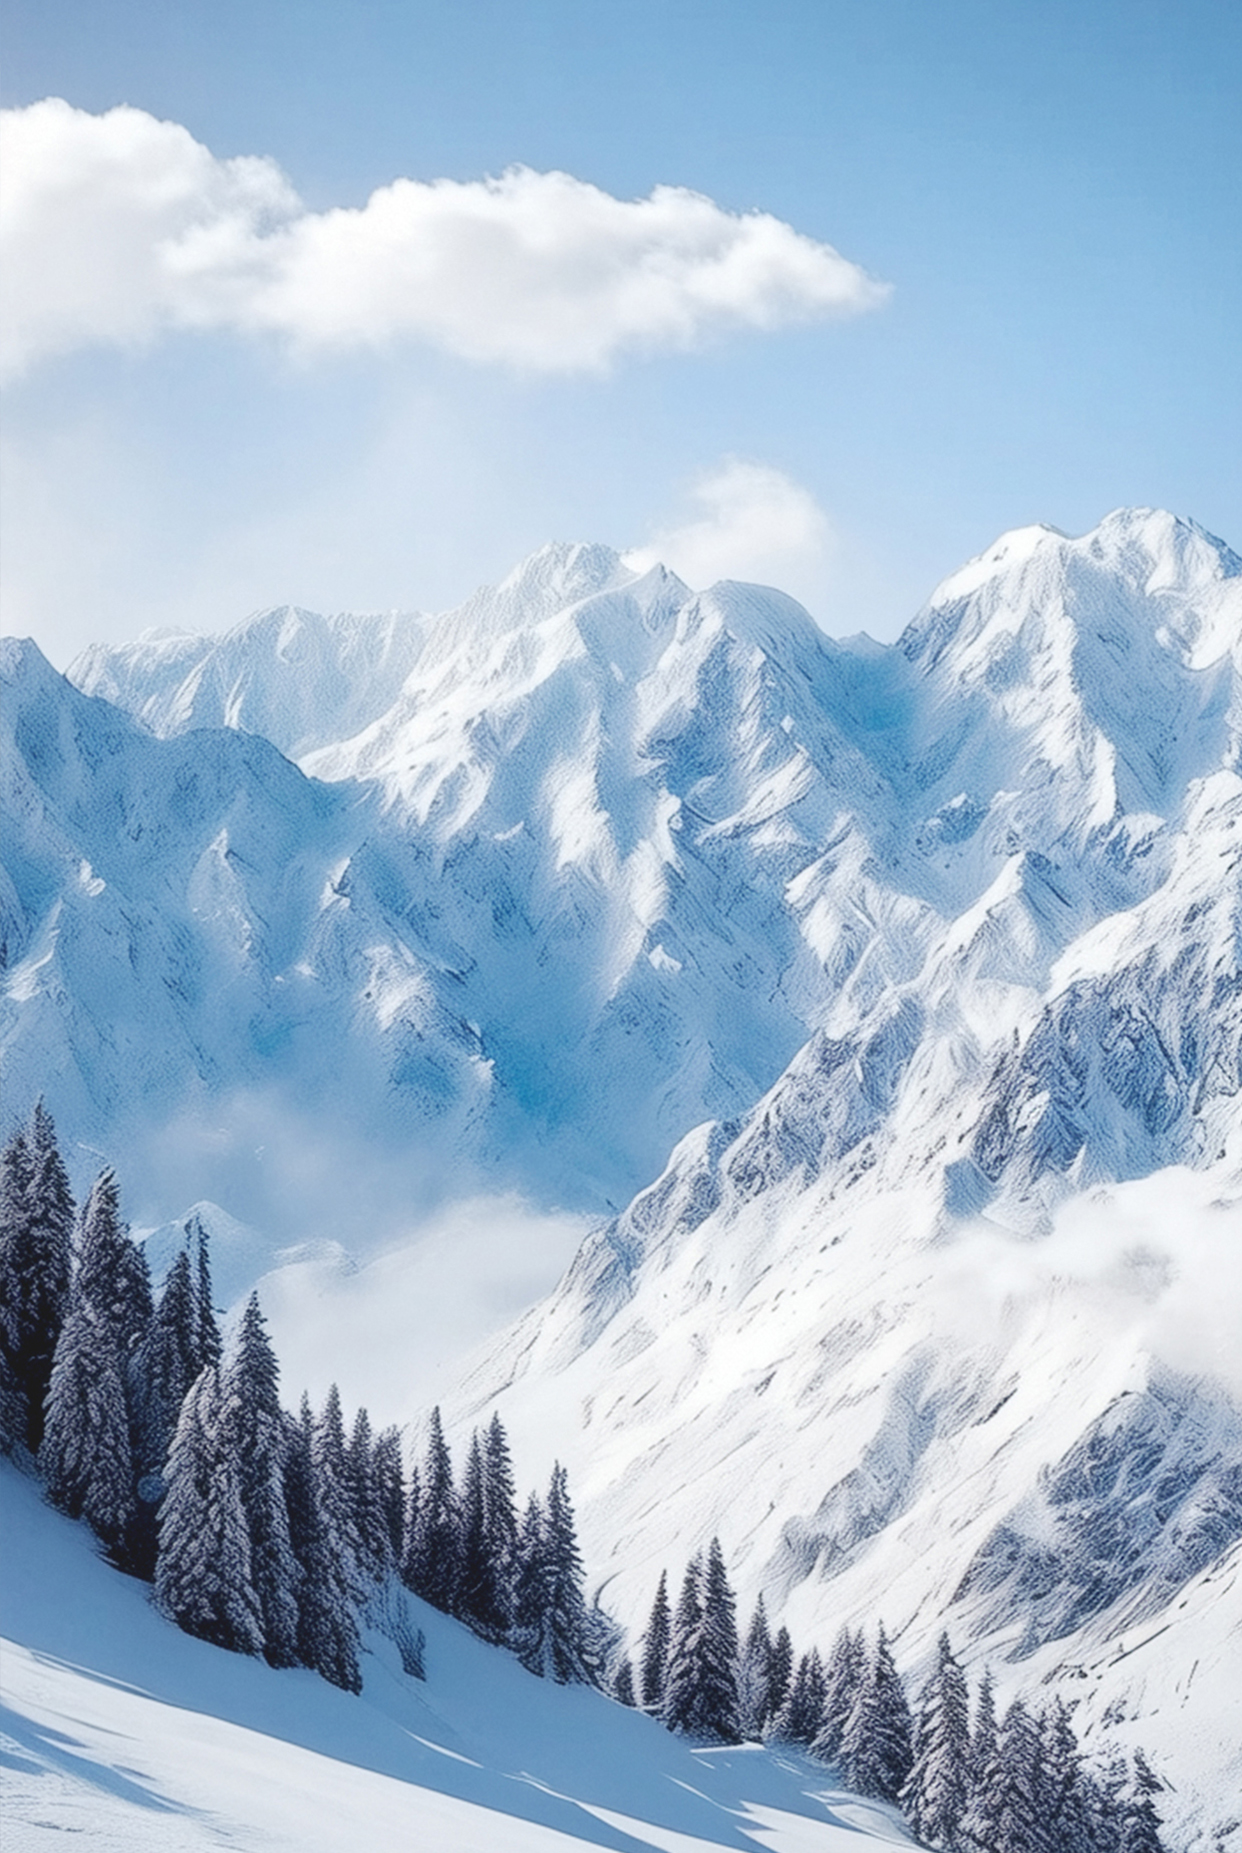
924	962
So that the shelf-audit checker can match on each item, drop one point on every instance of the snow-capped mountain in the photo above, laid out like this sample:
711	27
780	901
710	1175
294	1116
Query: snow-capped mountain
639	843
927	960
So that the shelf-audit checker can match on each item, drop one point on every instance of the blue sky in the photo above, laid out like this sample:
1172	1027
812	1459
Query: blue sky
1052	193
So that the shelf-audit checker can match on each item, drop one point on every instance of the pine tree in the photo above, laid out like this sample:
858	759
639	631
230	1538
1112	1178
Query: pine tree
1141	1830
434	1562
202	1573
549	1632
680	1678
210	1349
842	1679
254	1438
500	1500
1106	1788
936	1792
36	1228
529	1631
623	1682
85	1457
478	1595
603	1645
1017	1806
327	1633
801	1715
876	1748
781	1673
1064	1799
717	1655
112	1275
390	1487
407	1564
979	1822
167	1362
655	1649
755	1675
565	1604
370	1519
328	1454
164	1364
14	1402
700	1696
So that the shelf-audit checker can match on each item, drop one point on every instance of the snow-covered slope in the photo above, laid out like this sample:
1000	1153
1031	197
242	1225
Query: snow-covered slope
180	949
120	1729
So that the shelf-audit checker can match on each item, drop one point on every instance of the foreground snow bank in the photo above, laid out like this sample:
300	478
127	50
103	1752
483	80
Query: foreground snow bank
117	1726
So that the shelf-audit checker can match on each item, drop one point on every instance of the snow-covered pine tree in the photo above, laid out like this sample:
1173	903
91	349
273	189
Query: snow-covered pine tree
876	1749
1141	1830
329	1455
164	1363
327	1633
1104	1790
370	1520
655	1649
843	1677
409	1533
936	1791
86	1458
478	1596
253	1435
390	1486
717	1654
434	1559
782	1673
680	1675
700	1696
1017	1811
36	1229
603	1644
623	1682
112	1276
1064	1800
529	1630
754	1680
202	1571
566	1605
979	1821
500	1501
801	1715
210	1347
14	1403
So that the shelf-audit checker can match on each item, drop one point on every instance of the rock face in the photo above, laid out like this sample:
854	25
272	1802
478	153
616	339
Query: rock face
926	963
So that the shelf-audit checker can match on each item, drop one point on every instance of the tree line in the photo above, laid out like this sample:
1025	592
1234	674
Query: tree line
965	1783
281	1535
260	1531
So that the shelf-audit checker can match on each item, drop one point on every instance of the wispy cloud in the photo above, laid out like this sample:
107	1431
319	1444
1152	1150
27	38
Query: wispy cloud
752	522
114	228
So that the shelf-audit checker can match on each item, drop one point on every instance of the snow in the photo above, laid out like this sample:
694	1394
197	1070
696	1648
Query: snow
924	962
117	1726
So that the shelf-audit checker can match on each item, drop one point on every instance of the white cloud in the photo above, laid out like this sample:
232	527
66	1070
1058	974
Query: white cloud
115	227
755	523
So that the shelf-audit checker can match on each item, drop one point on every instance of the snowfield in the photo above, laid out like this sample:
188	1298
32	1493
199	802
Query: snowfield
129	1737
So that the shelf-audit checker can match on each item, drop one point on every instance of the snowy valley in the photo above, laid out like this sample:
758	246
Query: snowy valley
878	1008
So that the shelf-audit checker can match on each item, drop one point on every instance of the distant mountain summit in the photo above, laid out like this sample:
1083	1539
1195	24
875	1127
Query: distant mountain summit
586	861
